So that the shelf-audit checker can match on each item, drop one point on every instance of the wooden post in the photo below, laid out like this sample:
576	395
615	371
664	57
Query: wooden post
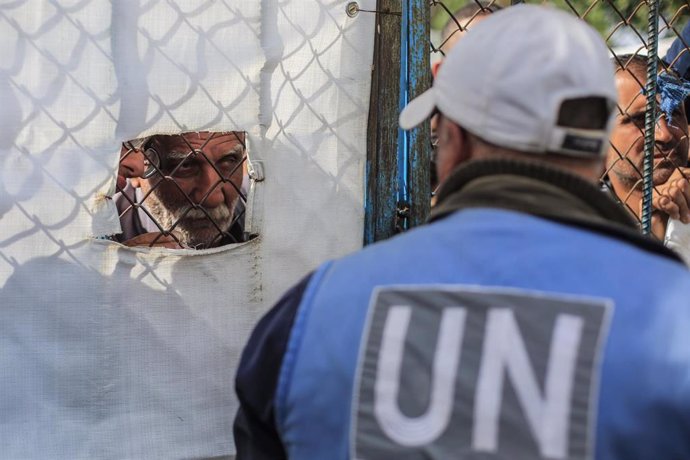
418	81
382	133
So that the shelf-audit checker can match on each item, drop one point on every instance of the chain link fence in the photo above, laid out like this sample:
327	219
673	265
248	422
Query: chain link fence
648	155
186	190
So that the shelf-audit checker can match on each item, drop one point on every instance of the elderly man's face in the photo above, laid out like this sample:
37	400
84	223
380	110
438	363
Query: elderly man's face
200	186
131	164
626	156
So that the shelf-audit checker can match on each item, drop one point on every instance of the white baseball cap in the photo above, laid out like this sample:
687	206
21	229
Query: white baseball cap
506	80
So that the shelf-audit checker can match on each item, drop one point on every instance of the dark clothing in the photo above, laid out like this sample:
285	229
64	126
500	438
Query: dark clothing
543	192
255	432
678	57
678	54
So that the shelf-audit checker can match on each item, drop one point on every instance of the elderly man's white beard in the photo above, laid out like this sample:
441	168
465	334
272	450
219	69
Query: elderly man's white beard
195	228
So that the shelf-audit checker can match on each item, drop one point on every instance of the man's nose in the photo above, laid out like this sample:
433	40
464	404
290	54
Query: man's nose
132	164
209	188
663	133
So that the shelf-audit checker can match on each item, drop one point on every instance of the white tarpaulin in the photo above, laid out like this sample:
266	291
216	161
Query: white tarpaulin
113	352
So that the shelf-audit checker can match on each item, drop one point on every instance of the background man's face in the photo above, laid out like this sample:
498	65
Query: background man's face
626	155
203	169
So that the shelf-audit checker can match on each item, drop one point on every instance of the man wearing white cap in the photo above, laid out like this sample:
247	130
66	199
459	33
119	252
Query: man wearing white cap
528	320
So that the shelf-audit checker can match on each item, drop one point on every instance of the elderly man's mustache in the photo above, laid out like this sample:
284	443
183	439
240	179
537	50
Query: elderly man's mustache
218	214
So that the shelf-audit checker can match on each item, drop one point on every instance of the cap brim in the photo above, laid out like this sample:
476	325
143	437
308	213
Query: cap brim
418	110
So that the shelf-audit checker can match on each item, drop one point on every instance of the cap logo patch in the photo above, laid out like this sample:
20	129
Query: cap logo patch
581	144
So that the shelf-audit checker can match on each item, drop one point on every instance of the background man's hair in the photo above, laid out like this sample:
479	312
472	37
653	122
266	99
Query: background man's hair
637	65
633	63
474	7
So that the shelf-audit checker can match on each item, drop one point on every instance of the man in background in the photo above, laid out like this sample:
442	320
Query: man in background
462	20
625	159
529	319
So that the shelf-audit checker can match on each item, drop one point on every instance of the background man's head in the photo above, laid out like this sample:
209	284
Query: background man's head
462	20
528	81
626	154
195	187
455	28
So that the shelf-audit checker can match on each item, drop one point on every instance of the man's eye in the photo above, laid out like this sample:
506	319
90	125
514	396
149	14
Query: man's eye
637	120
229	164
185	168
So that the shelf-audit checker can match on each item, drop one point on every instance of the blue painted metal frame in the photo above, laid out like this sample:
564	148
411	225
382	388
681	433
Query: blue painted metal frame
403	136
420	150
414	147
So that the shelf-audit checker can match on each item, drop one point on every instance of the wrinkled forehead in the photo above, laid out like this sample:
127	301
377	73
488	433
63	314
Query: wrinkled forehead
630	87
198	140
633	73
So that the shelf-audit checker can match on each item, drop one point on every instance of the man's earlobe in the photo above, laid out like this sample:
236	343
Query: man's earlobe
435	67
135	181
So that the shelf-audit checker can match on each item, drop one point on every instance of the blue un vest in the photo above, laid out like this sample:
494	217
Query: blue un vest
643	408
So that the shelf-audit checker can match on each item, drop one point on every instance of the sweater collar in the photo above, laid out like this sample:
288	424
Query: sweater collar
543	191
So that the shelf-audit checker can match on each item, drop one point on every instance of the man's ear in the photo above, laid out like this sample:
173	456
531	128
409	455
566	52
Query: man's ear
459	140
454	148
435	66
135	181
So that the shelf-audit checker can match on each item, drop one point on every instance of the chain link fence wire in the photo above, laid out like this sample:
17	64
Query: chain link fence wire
647	162
184	190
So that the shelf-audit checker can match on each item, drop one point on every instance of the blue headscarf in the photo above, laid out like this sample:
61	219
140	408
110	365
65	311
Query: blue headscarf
672	92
